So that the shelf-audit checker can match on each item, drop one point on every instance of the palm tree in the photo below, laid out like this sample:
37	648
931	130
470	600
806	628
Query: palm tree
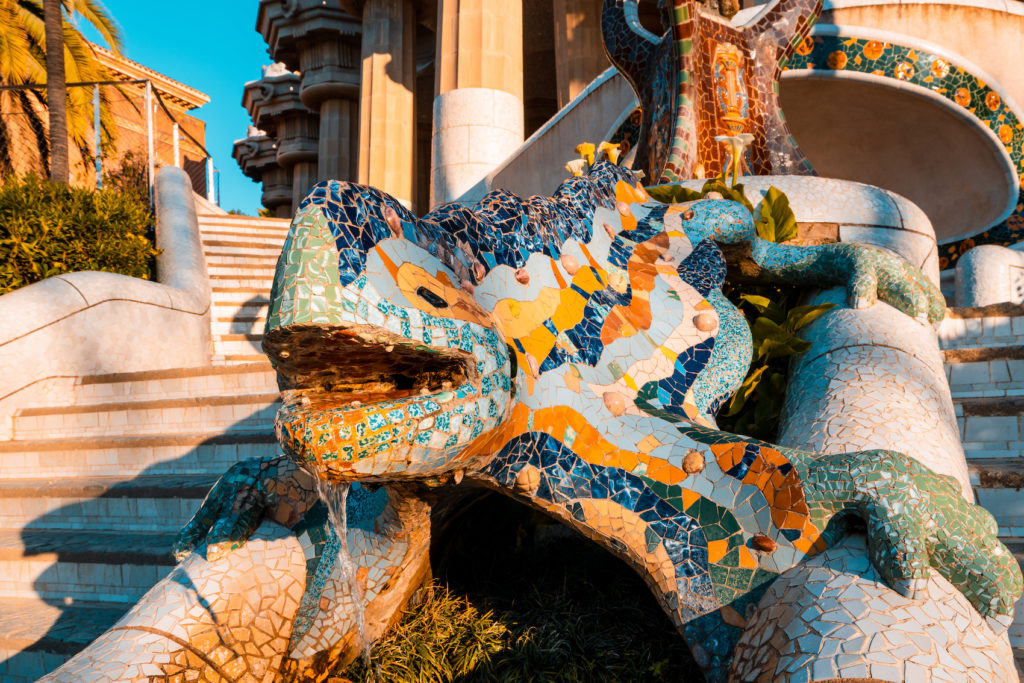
56	90
23	59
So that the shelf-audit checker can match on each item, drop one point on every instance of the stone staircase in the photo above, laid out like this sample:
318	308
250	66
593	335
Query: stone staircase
94	489
241	253
984	351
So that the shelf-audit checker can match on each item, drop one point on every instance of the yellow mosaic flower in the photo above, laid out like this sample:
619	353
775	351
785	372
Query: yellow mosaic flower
904	71
837	60
992	100
806	46
874	49
962	96
1005	134
940	68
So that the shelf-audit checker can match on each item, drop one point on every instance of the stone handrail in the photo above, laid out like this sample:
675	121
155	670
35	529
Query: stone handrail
89	323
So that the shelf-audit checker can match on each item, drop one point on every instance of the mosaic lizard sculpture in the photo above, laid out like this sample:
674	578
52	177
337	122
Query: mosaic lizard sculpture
570	352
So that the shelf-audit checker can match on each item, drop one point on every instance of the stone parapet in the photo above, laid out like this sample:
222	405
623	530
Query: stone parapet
91	323
989	274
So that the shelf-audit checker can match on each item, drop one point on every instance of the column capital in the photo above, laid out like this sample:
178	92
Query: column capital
272	97
255	154
287	24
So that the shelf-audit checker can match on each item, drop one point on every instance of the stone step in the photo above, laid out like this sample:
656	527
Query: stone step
229	258
259	281
37	636
247	307
991	427
158	503
1016	631
124	456
209	219
241	269
988	327
137	418
224	239
237	249
243	231
115	566
176	383
239	325
237	344
235	358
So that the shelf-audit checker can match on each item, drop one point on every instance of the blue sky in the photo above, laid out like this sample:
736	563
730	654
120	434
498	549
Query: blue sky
212	46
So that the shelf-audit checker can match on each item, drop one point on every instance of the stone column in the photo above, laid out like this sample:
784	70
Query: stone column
257	156
320	41
478	110
387	114
579	48
274	104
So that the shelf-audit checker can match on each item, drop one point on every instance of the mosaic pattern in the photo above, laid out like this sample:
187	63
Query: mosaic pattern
943	77
610	321
705	78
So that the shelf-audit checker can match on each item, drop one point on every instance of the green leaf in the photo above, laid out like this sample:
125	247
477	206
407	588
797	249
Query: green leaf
765	306
673	194
802	316
775	220
745	391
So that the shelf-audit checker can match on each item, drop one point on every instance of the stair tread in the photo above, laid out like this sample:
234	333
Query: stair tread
86	546
92	486
177	373
153	404
147	441
37	624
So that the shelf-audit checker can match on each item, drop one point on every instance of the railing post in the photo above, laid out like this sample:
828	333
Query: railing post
210	193
151	170
176	156
98	152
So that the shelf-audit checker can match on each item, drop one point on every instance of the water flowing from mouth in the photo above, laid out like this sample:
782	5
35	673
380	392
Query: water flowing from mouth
335	497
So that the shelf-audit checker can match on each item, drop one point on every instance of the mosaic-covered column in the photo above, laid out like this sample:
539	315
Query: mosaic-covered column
873	379
320	41
274	105
478	110
579	48
256	154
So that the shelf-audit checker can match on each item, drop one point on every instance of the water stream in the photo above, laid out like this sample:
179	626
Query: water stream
335	497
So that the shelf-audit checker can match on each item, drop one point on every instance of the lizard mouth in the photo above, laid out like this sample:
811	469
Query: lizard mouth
354	399
362	364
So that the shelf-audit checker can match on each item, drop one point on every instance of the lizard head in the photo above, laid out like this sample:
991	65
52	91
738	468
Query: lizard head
388	366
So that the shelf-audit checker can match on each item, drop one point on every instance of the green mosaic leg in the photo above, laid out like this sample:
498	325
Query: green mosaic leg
249	492
917	520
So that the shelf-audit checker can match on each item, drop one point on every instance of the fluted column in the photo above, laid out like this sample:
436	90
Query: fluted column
387	114
478	110
579	49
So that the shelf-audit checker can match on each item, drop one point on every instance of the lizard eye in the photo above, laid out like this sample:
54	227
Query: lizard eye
431	298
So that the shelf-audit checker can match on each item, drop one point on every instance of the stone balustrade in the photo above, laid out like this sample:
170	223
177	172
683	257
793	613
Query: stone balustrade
92	323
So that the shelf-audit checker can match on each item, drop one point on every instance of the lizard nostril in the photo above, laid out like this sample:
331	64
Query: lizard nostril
431	298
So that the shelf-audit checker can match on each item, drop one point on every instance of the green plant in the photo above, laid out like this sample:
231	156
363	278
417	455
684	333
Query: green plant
47	229
526	599
771	312
774	321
